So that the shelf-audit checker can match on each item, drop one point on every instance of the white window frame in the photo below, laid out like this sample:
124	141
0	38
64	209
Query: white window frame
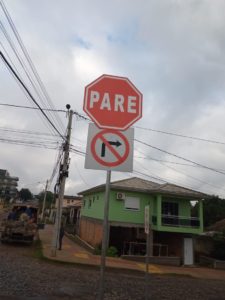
132	203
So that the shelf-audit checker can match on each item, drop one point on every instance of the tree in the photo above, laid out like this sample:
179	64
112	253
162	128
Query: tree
49	199
213	210
25	194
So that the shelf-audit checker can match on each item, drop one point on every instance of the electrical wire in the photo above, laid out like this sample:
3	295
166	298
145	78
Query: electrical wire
189	176
29	107
181	135
23	65
150	176
13	65
28	92
78	115
31	64
30	144
58	162
180	157
156	177
28	132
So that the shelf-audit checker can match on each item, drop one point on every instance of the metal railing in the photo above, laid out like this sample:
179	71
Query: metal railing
139	248
180	221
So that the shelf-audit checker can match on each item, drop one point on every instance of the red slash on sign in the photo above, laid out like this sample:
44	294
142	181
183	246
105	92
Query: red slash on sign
118	150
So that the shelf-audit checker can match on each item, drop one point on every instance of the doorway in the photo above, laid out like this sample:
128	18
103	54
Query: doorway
188	252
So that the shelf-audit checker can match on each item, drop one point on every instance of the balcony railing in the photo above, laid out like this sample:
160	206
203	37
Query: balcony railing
178	221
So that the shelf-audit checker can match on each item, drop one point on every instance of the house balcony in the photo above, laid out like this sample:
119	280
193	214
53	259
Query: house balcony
177	221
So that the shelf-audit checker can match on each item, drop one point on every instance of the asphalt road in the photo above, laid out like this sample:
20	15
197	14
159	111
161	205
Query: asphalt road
23	276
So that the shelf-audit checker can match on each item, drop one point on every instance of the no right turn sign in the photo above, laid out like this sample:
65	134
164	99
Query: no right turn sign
109	149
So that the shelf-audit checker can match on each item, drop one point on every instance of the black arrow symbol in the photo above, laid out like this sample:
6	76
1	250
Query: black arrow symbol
117	144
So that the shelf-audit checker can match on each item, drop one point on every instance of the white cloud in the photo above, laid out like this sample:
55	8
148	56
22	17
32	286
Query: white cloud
173	51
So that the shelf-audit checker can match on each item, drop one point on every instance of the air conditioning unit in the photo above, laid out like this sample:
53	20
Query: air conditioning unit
120	196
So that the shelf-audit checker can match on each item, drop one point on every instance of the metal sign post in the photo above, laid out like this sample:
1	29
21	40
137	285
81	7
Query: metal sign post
105	237
114	104
147	231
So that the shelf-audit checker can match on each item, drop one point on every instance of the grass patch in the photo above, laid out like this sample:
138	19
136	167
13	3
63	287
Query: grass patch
38	250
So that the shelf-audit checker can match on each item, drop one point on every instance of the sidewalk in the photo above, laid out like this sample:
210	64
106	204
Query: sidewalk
73	253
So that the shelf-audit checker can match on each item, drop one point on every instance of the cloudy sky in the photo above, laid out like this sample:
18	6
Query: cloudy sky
172	50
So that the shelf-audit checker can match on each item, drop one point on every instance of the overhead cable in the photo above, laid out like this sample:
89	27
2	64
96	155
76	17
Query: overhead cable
30	107
80	116
28	92
180	157
29	60
181	135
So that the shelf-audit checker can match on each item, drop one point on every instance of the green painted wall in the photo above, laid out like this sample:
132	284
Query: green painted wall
94	208
120	214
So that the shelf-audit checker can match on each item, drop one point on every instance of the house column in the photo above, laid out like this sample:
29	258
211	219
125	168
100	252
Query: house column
200	214
159	210
151	239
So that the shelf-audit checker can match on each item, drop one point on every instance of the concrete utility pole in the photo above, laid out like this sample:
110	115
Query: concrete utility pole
44	201
62	181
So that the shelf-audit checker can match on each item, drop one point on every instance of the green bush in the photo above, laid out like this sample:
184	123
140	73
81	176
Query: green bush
111	251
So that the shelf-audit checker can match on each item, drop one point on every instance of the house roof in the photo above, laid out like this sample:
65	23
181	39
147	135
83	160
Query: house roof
145	186
179	190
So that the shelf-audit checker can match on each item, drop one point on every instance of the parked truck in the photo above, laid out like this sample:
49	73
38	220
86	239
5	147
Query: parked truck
20	225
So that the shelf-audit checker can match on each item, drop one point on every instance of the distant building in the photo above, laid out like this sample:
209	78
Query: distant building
8	186
69	201
71	211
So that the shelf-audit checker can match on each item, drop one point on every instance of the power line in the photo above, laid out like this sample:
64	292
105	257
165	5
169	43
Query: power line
160	178
30	107
28	132
180	157
164	161
189	176
79	173
8	56
181	135
58	162
32	66
23	65
149	129
73	149
147	175
80	116
28	92
30	144
12	64
165	181
147	157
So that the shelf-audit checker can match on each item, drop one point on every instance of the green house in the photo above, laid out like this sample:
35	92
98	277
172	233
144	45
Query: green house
173	227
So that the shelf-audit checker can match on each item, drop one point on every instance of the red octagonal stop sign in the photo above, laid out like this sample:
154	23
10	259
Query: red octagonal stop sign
113	102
